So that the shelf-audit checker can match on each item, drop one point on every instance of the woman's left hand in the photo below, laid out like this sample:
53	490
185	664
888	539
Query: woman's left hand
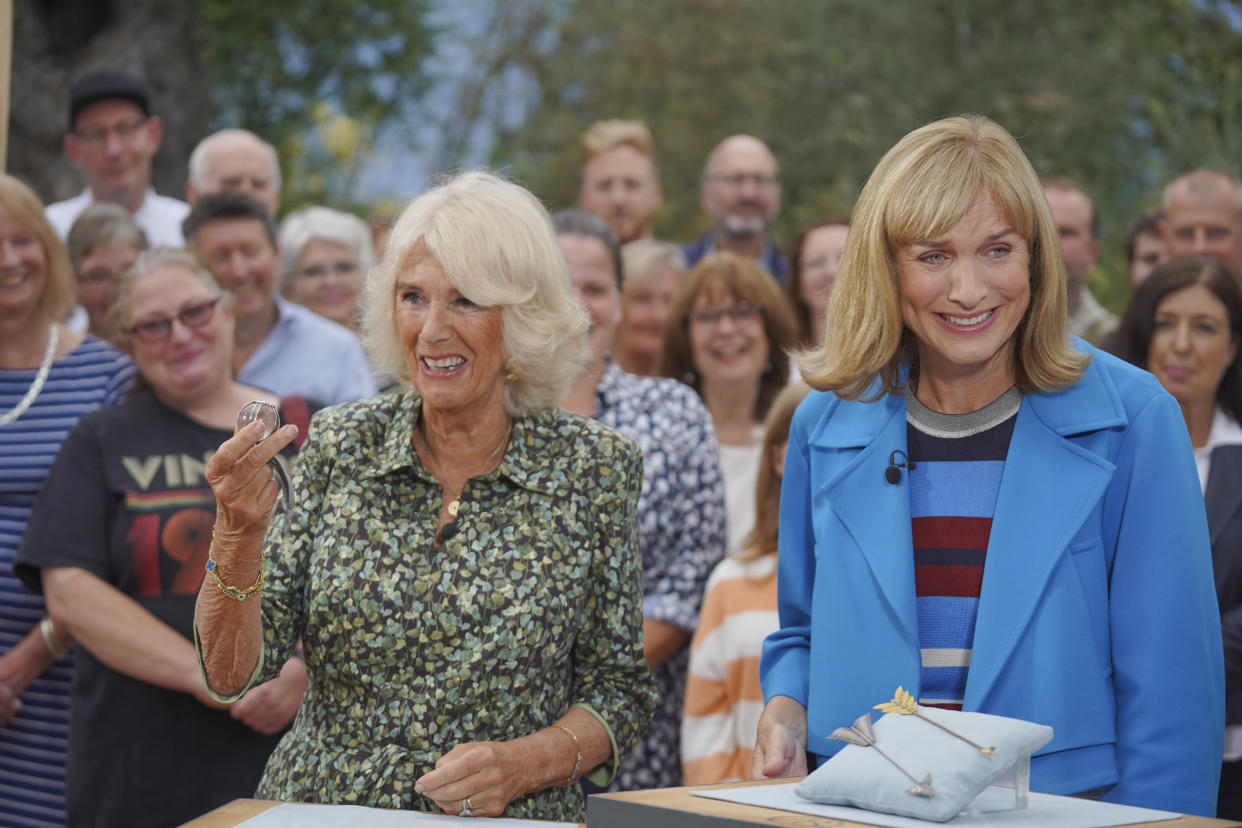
269	707
489	774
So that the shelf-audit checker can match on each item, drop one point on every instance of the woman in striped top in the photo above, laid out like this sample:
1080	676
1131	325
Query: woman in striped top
984	510
723	699
49	377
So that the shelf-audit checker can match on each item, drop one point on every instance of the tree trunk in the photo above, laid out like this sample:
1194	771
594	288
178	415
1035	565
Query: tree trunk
56	40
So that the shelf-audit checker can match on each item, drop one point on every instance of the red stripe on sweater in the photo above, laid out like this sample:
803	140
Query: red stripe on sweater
947	532
954	581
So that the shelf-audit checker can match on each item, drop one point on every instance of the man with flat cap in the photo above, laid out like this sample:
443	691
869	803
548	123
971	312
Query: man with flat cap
112	139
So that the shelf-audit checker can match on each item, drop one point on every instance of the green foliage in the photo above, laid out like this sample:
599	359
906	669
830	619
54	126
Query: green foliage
1118	94
274	66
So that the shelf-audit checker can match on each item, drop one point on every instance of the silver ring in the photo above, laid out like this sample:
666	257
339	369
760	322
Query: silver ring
466	810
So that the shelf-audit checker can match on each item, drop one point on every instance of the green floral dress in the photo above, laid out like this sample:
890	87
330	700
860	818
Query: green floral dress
532	605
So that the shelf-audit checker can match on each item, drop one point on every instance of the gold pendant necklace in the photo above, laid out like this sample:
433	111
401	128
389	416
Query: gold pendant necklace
455	503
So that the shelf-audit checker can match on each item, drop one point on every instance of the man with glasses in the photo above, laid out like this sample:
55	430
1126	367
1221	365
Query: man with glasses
112	139
279	345
740	190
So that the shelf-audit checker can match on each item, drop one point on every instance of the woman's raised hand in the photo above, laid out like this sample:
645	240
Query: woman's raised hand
245	488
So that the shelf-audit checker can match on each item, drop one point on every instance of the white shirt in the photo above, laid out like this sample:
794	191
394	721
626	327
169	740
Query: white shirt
739	465
159	216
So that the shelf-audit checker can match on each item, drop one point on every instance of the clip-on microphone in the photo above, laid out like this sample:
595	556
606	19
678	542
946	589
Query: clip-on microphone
893	474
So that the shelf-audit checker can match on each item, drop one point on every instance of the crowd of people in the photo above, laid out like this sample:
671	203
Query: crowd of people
574	509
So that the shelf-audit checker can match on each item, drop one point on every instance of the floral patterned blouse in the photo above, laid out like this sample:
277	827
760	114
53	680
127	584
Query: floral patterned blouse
681	519
532	604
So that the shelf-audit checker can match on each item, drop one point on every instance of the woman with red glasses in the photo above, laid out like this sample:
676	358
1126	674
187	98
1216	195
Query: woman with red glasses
118	542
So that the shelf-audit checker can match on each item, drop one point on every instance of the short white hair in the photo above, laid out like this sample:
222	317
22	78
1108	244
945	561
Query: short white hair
495	243
323	224
200	158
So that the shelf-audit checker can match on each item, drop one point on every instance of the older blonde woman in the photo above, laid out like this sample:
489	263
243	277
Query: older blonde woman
985	511
461	562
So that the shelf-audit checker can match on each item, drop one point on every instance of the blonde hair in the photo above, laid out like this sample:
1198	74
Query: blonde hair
59	291
643	257
921	188
762	539
495	243
602	136
742	279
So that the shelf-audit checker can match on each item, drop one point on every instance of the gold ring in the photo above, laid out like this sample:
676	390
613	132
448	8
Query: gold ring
466	810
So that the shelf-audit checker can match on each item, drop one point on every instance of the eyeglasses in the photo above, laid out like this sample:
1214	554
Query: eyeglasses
195	316
125	130
319	271
739	312
736	181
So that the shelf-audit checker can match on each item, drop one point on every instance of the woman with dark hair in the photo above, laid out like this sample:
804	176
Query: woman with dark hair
729	329
1184	325
814	257
681	506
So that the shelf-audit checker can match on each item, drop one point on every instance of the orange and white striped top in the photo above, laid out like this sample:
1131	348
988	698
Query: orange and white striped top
723	697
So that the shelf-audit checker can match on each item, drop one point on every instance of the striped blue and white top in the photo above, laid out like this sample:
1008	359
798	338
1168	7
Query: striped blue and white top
33	744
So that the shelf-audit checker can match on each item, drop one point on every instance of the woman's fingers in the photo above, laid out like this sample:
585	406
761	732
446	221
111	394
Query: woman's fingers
244	487
243	451
478	771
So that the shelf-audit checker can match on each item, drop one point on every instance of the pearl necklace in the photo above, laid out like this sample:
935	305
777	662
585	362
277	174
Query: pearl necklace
40	378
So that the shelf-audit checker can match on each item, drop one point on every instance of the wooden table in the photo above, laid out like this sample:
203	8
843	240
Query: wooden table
234	813
676	807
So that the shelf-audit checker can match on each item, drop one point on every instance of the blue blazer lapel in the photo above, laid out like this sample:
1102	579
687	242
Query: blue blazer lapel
875	513
1048	489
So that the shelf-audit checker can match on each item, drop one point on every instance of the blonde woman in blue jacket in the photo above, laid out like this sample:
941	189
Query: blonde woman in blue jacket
979	508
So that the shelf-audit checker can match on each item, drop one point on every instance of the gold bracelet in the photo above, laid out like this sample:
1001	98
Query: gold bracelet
228	589
48	630
573	774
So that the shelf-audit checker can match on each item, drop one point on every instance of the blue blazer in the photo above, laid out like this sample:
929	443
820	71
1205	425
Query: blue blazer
1098	612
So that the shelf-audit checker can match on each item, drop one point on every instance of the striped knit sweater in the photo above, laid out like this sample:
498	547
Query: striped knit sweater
723	697
958	461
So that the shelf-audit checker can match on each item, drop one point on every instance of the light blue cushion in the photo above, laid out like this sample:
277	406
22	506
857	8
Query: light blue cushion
861	777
